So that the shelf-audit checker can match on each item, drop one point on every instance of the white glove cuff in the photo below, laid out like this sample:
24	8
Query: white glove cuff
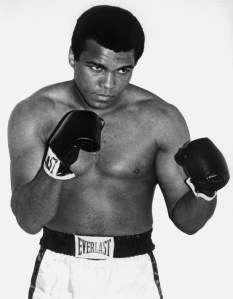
52	165
197	194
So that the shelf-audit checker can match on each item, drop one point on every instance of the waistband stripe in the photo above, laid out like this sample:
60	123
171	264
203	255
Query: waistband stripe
93	247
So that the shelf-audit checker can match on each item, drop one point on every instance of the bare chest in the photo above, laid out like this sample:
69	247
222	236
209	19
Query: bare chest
128	150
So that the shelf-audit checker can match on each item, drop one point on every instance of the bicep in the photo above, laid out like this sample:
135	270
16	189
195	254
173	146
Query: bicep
170	175
26	148
171	179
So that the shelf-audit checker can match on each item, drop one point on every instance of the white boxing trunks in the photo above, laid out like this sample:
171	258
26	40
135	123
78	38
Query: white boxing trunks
85	267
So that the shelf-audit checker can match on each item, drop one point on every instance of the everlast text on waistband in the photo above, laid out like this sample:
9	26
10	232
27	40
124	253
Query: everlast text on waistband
94	247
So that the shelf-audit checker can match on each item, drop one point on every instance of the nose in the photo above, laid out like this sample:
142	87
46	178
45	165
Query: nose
108	80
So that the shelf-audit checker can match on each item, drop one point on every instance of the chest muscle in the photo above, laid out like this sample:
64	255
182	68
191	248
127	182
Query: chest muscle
126	151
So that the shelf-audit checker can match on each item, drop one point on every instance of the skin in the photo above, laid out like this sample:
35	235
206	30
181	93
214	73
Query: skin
113	190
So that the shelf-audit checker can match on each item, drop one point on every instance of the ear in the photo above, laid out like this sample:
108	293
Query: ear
71	58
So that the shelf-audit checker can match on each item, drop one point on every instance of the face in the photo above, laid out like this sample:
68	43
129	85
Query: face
101	74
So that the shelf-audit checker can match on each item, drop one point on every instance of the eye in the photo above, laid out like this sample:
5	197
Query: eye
96	68
124	71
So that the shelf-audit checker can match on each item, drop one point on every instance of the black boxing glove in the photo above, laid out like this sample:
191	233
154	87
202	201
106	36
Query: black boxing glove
204	166
79	130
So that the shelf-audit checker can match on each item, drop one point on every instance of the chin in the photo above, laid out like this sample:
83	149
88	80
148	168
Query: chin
101	105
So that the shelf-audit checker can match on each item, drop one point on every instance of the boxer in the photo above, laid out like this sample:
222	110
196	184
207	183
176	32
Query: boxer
86	157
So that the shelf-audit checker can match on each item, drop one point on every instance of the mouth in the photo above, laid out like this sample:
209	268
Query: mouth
104	95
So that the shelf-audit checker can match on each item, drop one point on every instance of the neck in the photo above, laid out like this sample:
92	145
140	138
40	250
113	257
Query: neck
80	97
83	104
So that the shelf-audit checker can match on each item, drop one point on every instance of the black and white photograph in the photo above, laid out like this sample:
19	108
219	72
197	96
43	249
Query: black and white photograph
117	152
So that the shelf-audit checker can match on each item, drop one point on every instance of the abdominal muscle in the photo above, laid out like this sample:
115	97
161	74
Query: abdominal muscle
104	206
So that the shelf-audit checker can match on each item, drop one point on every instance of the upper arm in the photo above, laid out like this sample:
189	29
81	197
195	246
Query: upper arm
170	175
26	146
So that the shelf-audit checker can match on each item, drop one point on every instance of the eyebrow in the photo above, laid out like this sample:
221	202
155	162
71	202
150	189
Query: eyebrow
129	66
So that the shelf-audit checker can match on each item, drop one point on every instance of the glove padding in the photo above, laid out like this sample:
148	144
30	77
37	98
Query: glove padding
204	166
79	130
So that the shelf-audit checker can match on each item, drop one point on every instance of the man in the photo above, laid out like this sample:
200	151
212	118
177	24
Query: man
86	156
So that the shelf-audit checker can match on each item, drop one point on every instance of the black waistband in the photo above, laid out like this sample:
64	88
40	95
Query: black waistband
125	246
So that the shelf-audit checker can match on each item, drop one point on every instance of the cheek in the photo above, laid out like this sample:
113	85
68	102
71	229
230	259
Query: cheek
123	82
85	81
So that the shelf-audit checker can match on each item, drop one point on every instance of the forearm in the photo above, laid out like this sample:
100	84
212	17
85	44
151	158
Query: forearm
35	203
191	213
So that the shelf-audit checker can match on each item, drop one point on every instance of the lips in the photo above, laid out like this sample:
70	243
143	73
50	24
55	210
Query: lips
105	95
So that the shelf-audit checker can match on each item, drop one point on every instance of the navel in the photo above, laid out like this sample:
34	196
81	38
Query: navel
136	171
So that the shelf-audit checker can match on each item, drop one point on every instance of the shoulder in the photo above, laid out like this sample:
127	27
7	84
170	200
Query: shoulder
42	104
47	97
153	105
34	114
167	120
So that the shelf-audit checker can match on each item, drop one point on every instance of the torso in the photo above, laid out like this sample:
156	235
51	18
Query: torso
113	189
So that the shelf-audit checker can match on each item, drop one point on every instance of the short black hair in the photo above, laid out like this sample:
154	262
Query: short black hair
112	27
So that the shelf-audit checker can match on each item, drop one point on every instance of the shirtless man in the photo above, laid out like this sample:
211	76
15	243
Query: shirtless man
86	156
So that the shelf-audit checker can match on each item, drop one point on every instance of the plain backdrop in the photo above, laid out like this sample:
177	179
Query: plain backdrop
188	61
